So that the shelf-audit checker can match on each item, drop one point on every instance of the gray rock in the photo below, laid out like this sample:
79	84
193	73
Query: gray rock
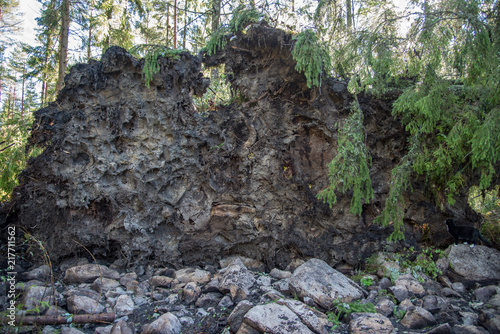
161	281
70	330
122	327
41	273
124	306
317	280
467	329
458	287
129	281
247	329
400	292
314	320
186	321
165	324
433	303
441	329
417	317
490	319
193	275
103	329
447	292
237	280
55	310
275	319
483	294
104	284
225	302
370	323
282	286
413	286
235	319
280	274
385	306
88	273
36	296
83	304
210	299
474	264
191	292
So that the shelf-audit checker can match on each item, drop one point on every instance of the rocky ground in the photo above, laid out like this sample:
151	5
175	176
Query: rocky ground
307	297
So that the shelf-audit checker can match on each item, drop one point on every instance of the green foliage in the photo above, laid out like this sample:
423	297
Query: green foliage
152	53
242	17
14	133
344	309
312	57
349	169
366	282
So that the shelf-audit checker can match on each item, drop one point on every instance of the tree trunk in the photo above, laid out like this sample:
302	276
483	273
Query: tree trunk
349	10
89	45
168	22
63	43
22	91
185	24
175	24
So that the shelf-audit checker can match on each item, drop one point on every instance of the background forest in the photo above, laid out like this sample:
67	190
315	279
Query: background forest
441	58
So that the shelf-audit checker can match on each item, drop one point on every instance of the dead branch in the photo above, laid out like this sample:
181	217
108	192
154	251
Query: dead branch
59	320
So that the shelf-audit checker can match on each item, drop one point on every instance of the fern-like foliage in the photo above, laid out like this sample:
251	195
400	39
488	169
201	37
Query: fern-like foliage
312	57
394	204
243	16
151	54
349	169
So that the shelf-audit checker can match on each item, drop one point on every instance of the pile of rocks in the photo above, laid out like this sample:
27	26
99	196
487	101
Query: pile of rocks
236	299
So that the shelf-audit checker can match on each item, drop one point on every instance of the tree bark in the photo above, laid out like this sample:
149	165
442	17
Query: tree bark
59	320
63	43
175	24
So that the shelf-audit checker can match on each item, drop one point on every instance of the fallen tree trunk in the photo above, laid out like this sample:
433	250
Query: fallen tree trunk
58	319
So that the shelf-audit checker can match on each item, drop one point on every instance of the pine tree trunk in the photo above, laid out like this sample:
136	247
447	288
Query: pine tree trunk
63	43
168	23
175	24
89	45
22	91
348	5
185	24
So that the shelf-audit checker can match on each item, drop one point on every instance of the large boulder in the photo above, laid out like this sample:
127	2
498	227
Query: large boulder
479	263
317	280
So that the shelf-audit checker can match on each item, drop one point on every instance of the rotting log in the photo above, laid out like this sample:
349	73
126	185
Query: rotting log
59	320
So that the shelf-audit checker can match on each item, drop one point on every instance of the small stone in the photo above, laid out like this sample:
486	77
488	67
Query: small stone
484	294
161	281
280	274
191	292
413	286
282	286
236	317
417	317
433	303
225	302
441	329
70	330
467	329
458	287
165	324
55	311
193	275
129	281
88	273
207	300
447	292
104	284
103	330
370	323
36	297
122	327
186	321
41	273
400	292
124	306
83	304
275	319
385	306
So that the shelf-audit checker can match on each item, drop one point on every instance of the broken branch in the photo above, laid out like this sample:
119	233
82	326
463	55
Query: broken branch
60	320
